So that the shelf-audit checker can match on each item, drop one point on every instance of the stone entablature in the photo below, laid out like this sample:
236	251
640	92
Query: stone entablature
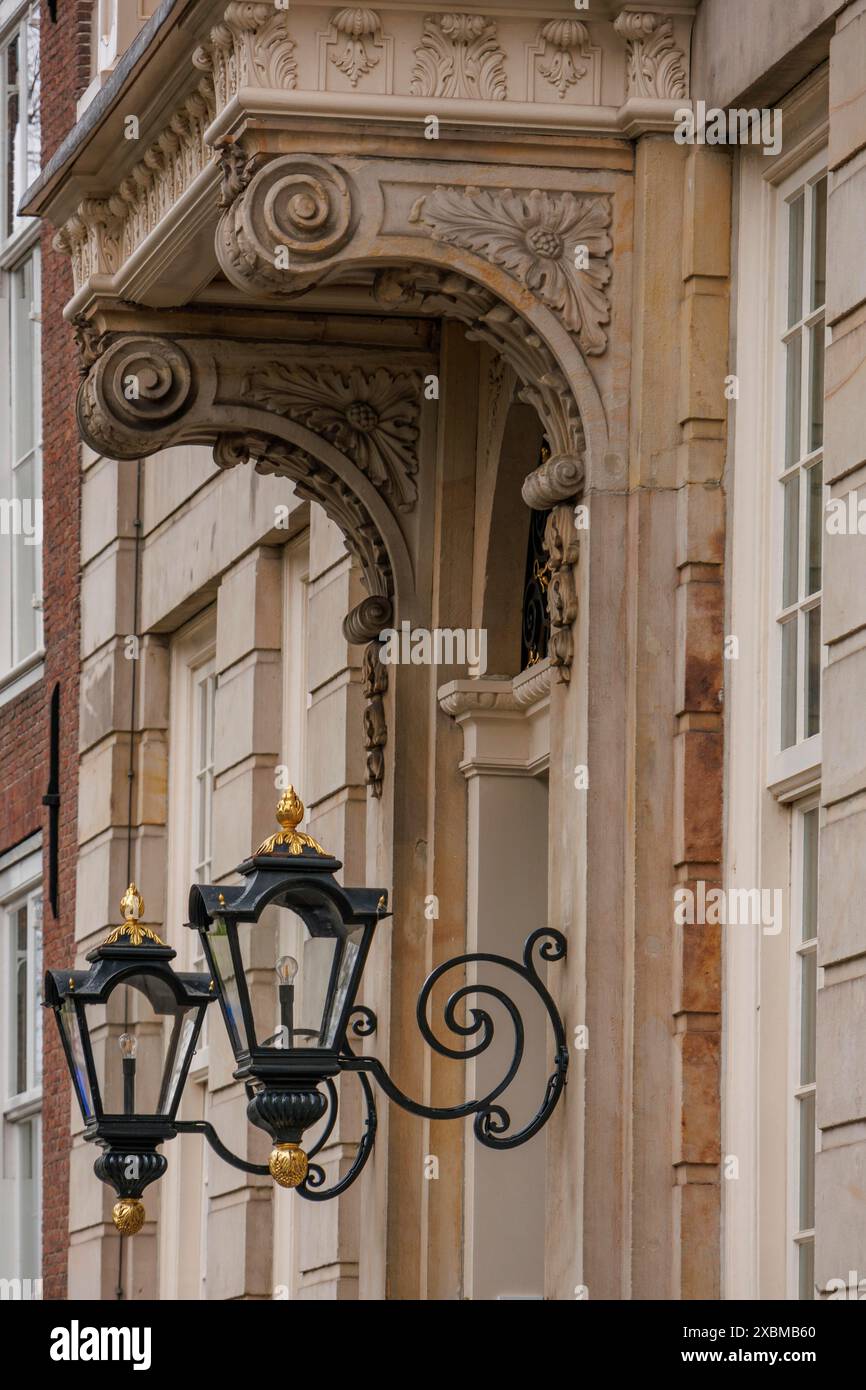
254	67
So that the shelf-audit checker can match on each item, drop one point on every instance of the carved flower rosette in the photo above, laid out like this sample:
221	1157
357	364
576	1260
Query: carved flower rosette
556	244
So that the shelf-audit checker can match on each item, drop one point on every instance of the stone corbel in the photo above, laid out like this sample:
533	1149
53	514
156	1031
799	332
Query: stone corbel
252	47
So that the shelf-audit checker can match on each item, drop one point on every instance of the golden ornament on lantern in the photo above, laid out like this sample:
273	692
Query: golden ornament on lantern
128	1215
132	907
288	1164
290	813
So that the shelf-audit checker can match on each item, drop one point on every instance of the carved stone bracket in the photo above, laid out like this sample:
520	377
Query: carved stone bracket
655	65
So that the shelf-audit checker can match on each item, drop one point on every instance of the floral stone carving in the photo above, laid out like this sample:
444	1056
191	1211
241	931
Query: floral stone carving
359	27
370	418
459	56
655	65
556	244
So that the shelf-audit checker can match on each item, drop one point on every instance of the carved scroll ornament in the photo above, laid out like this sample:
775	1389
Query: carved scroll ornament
655	65
459	56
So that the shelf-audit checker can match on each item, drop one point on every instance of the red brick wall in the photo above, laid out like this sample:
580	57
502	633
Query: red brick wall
23	771
65	74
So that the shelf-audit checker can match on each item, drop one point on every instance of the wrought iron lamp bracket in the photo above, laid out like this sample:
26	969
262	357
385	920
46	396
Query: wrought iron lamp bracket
492	1121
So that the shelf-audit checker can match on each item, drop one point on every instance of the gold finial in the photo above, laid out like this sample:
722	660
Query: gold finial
128	1215
288	1164
290	813
132	907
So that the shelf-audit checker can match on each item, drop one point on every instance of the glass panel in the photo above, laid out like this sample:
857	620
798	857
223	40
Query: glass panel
23	361
345	974
813	671
814	524
293	973
810	875
217	949
34	133
808	988
135	1053
806	1270
28	1198
68	1018
819	244
791	558
816	389
12	132
796	223
789	683
26	563
807	1162
36	991
19	974
793	380
179	1043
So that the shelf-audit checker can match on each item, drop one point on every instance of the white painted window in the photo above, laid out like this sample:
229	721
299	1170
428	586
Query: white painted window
21	1062
20	360
798	465
804	992
192	735
293	757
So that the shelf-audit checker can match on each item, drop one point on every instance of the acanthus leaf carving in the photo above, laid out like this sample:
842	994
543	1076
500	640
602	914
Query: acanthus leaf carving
359	27
459	56
655	65
556	244
375	686
563	550
372	418
564	65
252	47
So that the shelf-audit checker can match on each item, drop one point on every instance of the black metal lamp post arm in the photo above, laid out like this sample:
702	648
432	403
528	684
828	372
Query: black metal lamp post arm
491	1121
205	1128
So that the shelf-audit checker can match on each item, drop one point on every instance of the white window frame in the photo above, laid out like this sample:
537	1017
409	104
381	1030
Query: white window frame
797	1090
20	884
798	766
184	1198
17	672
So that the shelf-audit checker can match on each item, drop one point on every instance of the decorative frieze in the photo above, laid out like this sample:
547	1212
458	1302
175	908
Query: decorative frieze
556	244
358	33
655	65
459	56
565	58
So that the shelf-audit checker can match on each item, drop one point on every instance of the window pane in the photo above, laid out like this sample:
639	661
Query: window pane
814	525
36	990
23	361
819	244
795	259
813	671
793	382
34	135
27	1195
810	875
806	1262
789	683
808	987
12	132
816	385
19	974
807	1162
26	565
791	560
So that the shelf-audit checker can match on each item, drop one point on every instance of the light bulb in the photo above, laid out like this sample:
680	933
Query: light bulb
287	969
128	1045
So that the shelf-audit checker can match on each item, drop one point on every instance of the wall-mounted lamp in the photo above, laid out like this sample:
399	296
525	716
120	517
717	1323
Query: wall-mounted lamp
288	1057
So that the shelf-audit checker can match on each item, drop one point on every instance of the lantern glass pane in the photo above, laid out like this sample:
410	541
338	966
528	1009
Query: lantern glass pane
140	1039
67	1016
218	951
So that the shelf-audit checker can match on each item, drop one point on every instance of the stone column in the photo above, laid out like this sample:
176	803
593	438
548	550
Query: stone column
840	1179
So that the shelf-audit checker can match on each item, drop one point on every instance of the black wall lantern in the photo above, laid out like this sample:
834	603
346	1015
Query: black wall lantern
289	1043
128	1068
